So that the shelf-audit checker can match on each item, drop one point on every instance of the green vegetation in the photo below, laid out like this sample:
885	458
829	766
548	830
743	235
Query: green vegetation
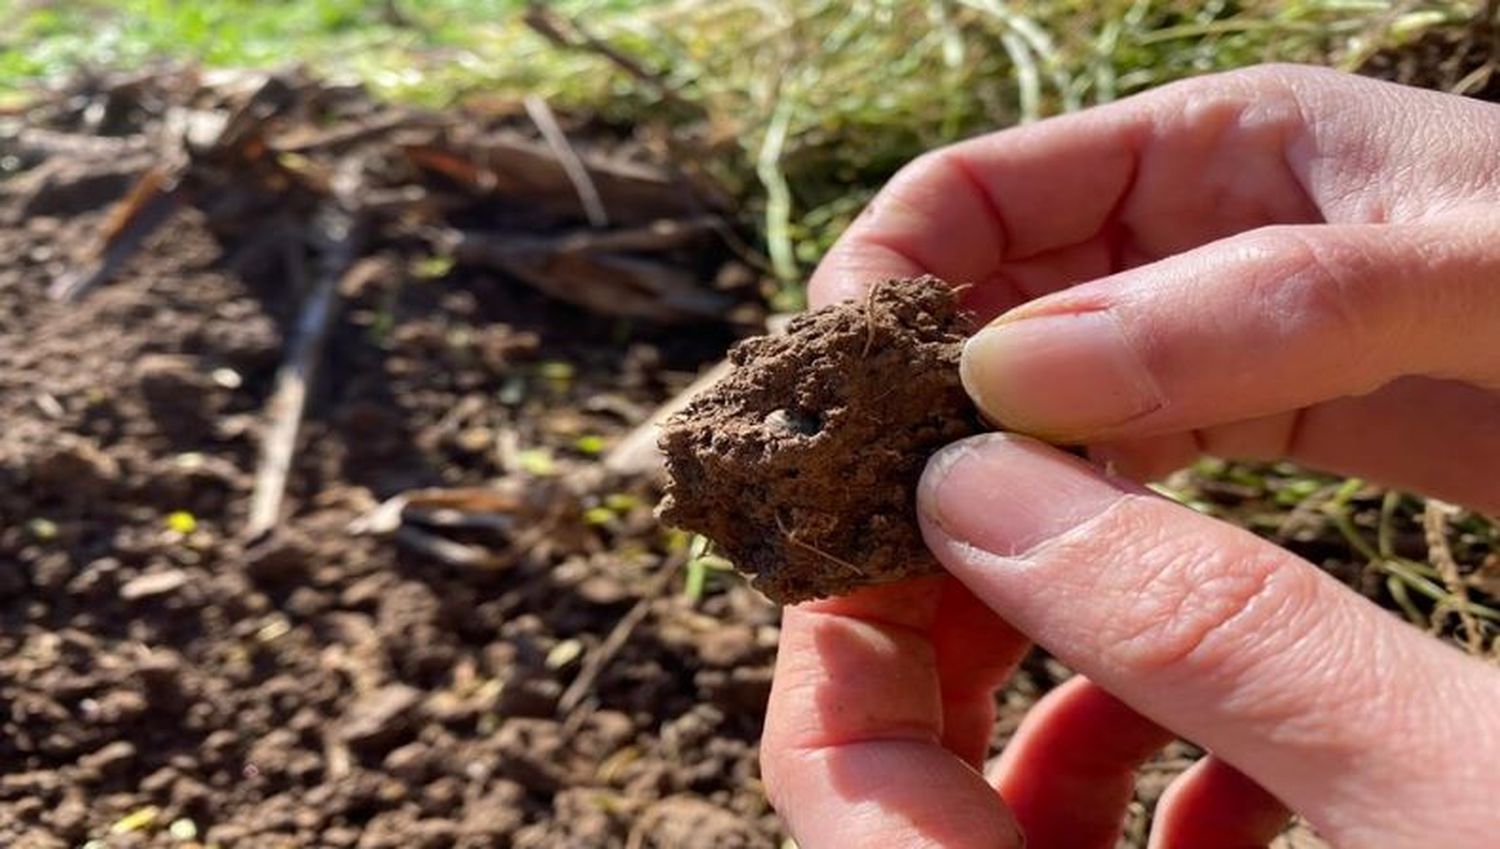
800	107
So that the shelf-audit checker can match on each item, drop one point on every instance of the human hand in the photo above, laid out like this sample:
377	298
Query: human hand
1278	262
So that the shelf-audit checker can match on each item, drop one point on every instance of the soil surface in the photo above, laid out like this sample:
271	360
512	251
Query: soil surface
324	688
802	463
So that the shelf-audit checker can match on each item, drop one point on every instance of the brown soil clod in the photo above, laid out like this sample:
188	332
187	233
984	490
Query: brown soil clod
802	463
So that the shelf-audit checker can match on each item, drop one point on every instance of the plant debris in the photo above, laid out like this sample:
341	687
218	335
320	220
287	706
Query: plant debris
801	464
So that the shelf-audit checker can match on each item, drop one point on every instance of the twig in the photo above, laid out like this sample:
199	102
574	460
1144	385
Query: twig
567	157
1435	528
569	33
151	203
288	400
350	134
37	142
595	664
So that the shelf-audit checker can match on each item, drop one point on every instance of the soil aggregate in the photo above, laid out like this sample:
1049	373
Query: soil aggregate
802	463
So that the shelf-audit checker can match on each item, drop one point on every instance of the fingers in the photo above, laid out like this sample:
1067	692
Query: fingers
942	214
853	751
1069	773
1033	209
1438	437
1036	208
1214	806
1263	323
976	653
1315	694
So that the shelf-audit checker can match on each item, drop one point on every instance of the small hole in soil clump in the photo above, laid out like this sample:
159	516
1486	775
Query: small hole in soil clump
794	422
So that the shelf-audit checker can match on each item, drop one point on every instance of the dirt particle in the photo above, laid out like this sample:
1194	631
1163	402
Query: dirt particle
378	717
75	469
530	749
488	819
154	584
180	396
529	695
802	463
729	646
110	760
689	822
282	558
409	763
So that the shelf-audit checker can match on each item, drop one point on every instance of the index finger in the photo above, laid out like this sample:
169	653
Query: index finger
962	212
1031	210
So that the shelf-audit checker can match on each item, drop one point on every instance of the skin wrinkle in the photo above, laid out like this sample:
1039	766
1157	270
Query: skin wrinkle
1131	140
1125	250
1331	674
928	169
885	242
1263	619
1280	118
1323	291
1393	146
1360	810
1185	619
1308	157
1208	608
1341	175
1214	122
955	160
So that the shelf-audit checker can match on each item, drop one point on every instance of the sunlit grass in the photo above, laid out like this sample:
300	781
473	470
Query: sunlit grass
800	107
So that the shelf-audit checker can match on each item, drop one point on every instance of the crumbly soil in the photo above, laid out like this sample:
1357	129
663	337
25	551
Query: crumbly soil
328	689
802	463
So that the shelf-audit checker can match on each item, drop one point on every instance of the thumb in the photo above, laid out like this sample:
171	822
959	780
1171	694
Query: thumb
1265	322
1375	732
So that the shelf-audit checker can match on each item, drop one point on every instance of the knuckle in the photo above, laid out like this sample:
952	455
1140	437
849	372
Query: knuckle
1198	609
907	197
919	172
1261	81
1283	78
1320	287
1291	74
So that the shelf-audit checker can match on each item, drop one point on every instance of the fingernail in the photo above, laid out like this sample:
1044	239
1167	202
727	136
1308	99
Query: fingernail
1007	494
1058	374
